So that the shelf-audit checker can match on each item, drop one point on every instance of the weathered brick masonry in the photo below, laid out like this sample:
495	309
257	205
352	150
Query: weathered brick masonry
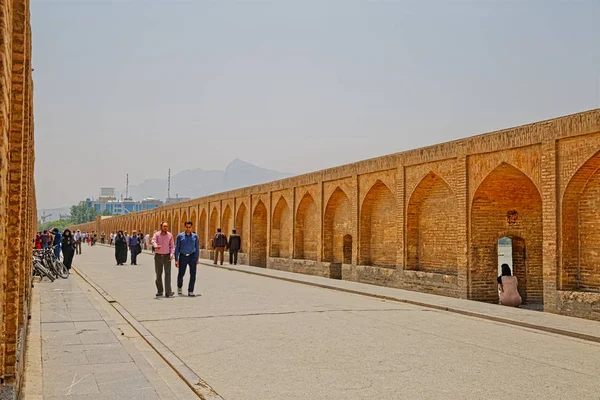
429	219
18	217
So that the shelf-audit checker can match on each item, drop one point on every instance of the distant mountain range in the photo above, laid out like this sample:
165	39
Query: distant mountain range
198	182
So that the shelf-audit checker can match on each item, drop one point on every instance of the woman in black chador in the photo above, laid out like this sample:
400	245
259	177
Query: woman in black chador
68	248
121	248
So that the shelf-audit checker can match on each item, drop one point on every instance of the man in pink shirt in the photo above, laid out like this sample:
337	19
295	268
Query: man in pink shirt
163	254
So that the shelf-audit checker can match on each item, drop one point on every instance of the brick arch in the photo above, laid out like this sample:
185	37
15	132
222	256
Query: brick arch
337	224
202	229
258	251
580	228
194	219
242	227
378	231
307	228
431	225
504	191
176	223
281	230
184	219
170	221
213	223
227	220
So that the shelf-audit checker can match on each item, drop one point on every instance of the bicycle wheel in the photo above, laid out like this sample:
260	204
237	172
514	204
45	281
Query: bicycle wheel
42	272
50	268
62	270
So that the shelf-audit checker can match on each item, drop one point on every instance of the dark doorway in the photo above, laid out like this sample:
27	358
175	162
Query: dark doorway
347	249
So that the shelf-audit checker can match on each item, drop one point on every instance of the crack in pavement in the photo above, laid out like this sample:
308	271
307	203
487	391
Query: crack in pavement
282	313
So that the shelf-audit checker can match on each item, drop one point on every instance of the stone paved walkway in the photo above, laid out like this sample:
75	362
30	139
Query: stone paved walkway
253	337
87	351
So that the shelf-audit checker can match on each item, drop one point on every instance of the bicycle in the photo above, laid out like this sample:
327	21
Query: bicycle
40	270
51	264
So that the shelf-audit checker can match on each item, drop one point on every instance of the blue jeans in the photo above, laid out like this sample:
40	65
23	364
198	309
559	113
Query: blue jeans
134	254
183	264
57	252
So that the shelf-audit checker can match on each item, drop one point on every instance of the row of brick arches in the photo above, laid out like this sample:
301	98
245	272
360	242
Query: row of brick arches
506	204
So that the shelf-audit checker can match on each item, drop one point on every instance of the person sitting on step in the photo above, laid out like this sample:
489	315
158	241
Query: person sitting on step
507	286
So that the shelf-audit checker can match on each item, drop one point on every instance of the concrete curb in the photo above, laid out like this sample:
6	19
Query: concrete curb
200	387
543	328
33	382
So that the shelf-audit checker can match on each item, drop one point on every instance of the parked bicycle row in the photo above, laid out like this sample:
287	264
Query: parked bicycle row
47	258
46	265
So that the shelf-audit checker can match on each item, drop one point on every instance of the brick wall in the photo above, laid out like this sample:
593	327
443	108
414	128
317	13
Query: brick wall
281	230
337	227
18	216
307	229
429	219
258	253
431	227
506	204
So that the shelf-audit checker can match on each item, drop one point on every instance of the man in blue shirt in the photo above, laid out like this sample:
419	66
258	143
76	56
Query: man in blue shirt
186	253
133	242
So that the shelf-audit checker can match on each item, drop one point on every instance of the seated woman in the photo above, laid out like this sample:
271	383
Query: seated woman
507	285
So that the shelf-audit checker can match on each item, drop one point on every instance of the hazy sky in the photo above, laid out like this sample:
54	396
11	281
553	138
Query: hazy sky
142	86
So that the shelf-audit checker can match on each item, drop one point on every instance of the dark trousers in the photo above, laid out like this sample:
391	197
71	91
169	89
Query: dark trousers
162	262
233	256
134	254
219	251
184	261
68	257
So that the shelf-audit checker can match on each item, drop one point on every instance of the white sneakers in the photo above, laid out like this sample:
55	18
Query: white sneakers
180	293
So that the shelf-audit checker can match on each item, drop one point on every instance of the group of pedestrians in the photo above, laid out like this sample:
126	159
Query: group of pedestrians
123	242
185	249
64	243
233	245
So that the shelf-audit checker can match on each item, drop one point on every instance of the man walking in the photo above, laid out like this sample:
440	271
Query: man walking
219	243
133	243
234	245
186	253
164	248
78	237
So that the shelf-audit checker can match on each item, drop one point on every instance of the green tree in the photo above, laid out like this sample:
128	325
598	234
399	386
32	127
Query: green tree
80	214
61	225
106	212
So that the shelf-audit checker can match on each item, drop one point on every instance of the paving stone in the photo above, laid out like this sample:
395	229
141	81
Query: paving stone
85	357
97	338
106	354
70	380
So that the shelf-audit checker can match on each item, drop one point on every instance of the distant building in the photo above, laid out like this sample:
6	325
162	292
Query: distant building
108	201
107	194
173	200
